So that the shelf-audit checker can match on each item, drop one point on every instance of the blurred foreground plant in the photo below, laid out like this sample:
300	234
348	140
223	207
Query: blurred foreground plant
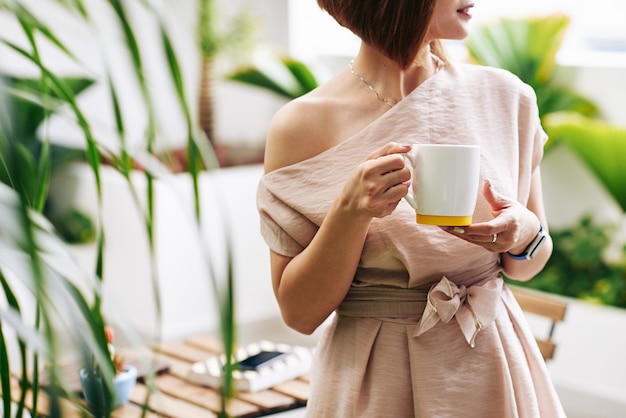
47	299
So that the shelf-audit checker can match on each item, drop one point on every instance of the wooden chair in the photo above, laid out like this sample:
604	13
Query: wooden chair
546	306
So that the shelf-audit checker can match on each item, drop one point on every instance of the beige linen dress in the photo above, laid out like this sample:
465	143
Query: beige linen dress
468	352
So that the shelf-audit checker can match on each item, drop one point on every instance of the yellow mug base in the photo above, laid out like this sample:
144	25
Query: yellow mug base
444	220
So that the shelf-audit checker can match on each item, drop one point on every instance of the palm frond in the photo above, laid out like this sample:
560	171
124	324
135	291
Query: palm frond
599	144
528	48
279	74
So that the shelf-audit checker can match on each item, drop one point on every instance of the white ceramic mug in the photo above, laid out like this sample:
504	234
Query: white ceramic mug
444	183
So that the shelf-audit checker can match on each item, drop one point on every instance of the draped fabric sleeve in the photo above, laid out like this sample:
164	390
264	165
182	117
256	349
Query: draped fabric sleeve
534	122
283	227
293	201
532	139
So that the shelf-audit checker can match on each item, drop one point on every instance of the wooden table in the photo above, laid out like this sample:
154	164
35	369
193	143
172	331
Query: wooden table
177	398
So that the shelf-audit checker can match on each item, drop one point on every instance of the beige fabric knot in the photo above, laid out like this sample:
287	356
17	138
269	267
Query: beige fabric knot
473	307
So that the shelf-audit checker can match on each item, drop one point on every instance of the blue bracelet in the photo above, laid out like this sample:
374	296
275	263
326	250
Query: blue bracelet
532	249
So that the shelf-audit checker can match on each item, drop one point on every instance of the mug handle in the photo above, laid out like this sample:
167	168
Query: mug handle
410	156
411	201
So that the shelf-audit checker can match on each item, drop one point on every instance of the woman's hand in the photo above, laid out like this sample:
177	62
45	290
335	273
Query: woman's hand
379	183
513	228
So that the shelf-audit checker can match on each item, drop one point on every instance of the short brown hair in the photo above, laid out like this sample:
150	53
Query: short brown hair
395	27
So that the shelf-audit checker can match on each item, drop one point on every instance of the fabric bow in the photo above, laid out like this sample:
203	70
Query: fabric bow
473	307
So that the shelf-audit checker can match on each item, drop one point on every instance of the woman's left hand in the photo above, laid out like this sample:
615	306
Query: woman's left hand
513	228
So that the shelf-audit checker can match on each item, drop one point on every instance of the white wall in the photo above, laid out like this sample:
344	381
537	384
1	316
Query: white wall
184	258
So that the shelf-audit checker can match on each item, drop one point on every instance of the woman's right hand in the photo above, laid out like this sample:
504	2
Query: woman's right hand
379	183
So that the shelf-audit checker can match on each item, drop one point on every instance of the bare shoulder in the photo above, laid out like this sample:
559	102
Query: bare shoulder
299	130
311	124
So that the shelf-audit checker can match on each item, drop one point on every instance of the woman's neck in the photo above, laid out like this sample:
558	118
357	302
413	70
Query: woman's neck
387	78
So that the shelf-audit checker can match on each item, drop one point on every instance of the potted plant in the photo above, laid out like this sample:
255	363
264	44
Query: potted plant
124	379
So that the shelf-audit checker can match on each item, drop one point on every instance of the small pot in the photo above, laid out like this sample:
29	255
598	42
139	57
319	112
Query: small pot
123	384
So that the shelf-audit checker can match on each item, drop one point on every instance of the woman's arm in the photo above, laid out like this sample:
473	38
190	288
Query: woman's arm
309	286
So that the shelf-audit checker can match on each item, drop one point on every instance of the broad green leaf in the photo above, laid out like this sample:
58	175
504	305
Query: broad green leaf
544	41
302	73
527	47
281	75
552	98
257	78
29	105
601	145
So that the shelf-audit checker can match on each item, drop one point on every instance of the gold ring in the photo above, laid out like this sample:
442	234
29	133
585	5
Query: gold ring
495	237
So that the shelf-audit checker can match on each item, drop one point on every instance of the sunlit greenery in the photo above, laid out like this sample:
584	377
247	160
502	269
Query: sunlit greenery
528	48
280	74
599	144
581	268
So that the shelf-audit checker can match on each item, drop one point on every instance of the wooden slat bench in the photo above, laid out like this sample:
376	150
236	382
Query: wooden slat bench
543	305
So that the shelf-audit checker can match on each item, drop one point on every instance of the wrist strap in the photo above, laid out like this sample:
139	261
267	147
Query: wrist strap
533	243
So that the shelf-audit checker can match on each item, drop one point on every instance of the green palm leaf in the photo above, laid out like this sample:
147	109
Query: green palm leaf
600	145
29	107
281	75
553	98
302	73
528	49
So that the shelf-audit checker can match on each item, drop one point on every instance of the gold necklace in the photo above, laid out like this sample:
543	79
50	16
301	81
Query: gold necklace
438	66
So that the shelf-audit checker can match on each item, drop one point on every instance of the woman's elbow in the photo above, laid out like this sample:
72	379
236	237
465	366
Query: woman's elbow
304	324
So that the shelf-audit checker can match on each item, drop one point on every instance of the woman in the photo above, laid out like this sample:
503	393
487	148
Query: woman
343	240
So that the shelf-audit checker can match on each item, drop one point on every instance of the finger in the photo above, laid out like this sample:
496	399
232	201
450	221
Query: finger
494	242
396	192
496	201
390	148
386	164
388	175
489	234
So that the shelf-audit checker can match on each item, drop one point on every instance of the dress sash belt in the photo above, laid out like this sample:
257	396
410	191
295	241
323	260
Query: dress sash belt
473	307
